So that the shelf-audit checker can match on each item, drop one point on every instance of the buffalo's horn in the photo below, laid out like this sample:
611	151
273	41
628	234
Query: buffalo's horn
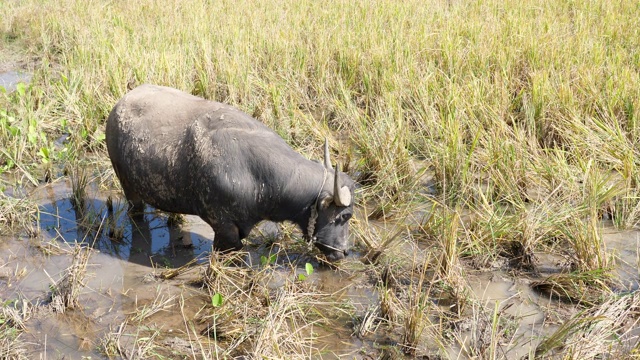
341	194
327	162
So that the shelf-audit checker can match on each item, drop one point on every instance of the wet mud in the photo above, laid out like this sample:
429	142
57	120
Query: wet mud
127	254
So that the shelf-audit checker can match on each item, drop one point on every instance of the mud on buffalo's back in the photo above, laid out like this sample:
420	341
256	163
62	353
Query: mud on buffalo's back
162	117
150	112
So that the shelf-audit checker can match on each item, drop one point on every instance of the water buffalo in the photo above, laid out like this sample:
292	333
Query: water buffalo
184	154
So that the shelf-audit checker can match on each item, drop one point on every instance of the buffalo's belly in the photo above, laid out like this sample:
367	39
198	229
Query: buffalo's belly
164	191
167	196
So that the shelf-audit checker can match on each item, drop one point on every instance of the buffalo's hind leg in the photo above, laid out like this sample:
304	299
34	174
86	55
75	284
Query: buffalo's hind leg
136	204
136	208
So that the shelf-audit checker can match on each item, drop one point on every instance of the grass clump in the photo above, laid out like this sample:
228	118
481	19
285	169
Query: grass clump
65	293
588	288
259	313
12	344
79	182
603	330
135	345
16	213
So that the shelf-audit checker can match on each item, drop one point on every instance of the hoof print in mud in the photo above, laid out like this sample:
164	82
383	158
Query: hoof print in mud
184	154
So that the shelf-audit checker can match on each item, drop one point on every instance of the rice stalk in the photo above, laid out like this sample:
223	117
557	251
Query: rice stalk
225	274
369	323
487	333
134	345
625	208
586	240
384	163
377	242
587	288
79	182
114	231
447	225
16	213
415	316
505	164
449	266
602	330
66	291
453	162
172	273
12	343
159	304
242	294
111	343
516	232
390	306
286	329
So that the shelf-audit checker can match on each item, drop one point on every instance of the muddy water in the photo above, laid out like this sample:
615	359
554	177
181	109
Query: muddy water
114	289
516	302
145	242
118	280
624	246
118	273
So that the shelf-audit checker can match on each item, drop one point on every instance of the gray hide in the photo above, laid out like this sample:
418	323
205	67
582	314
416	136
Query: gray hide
183	154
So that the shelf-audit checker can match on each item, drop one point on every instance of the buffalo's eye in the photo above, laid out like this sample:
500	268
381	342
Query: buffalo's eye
344	217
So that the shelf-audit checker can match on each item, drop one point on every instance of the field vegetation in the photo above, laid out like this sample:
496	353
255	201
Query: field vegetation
484	133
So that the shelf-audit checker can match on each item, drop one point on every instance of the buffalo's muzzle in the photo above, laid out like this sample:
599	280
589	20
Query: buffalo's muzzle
332	254
336	255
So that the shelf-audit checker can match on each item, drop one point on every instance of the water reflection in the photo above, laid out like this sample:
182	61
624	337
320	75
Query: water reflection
146	241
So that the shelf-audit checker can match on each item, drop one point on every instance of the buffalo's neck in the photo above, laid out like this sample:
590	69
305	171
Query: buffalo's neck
301	186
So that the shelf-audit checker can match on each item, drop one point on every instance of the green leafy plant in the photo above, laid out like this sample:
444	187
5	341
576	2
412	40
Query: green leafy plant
268	260
217	300
308	268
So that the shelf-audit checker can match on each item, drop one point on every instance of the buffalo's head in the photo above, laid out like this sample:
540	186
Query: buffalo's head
334	210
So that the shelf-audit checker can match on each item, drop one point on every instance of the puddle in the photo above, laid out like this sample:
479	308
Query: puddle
624	245
9	80
148	242
515	302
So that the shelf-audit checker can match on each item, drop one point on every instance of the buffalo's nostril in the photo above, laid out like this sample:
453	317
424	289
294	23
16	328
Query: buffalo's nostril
346	253
335	256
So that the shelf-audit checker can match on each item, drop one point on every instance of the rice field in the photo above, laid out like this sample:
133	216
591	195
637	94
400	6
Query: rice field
495	144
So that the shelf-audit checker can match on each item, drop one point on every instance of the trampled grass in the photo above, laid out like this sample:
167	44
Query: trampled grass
525	113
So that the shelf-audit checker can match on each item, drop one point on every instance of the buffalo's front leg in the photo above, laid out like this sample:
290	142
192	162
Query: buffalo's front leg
227	235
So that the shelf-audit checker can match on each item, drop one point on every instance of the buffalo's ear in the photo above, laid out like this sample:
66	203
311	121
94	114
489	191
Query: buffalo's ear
325	201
